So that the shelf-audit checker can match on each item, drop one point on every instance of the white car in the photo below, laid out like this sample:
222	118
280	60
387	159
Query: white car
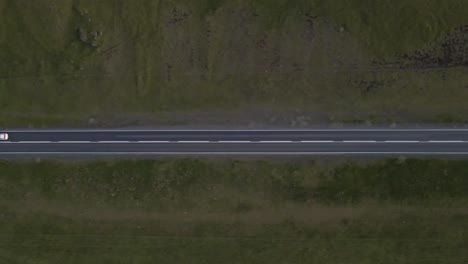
3	136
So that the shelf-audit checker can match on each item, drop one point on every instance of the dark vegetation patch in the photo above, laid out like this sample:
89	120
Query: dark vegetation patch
452	51
161	184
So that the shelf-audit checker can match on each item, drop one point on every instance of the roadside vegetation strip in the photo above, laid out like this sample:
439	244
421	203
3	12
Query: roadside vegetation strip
410	179
76	68
165	210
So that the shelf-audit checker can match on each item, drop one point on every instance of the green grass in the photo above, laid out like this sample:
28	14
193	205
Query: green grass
200	211
390	28
159	183
411	180
154	56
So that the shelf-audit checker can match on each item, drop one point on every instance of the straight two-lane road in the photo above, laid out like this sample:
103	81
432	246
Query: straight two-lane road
237	142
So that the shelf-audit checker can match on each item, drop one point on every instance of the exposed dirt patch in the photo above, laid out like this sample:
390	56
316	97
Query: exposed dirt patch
313	214
451	52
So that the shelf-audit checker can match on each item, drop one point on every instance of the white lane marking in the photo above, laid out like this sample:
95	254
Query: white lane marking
403	141
359	141
74	142
276	141
46	142
32	142
244	130
161	141
446	141
192	141
232	153
54	142
111	142
233	141
92	142
317	141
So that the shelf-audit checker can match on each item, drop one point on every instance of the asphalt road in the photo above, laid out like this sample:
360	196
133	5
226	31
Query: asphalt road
237	142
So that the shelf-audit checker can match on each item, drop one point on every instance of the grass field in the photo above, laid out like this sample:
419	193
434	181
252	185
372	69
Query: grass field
202	211
66	61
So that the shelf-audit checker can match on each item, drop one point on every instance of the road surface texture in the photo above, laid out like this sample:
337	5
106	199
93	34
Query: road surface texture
237	142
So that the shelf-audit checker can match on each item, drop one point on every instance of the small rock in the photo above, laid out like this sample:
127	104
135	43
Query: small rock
337	125
91	121
402	159
83	35
303	121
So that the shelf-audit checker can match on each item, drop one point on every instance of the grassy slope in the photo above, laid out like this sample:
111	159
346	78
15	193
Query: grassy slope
196	211
157	56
